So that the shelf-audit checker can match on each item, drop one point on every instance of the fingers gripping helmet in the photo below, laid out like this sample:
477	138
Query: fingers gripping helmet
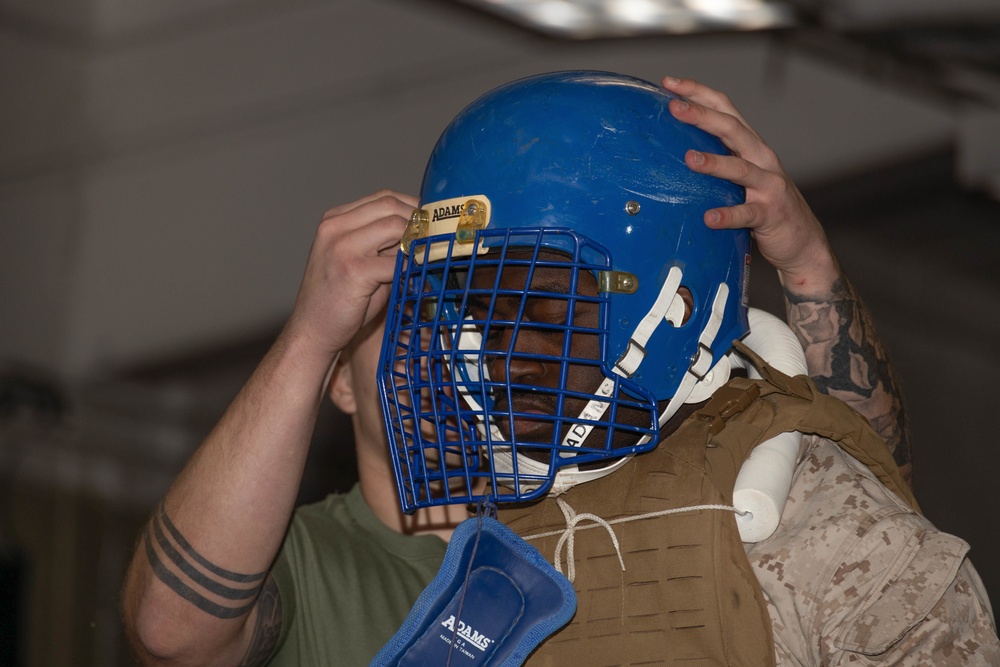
536	331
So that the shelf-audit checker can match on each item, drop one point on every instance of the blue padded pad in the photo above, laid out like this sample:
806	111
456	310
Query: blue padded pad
513	601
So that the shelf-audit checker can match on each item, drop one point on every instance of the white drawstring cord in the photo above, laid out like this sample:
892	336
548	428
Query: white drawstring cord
573	519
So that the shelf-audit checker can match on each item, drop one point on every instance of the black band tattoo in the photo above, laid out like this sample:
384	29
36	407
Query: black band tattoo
847	359
198	558
196	575
193	577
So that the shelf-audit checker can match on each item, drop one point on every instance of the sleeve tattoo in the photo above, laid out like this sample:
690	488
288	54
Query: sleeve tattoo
846	358
267	628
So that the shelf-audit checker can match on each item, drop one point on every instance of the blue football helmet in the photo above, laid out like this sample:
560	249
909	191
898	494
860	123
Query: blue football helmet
537	332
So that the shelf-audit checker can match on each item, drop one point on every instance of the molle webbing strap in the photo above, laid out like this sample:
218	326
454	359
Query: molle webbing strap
820	414
688	593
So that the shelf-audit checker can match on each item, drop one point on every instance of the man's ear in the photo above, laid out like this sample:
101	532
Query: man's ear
342	386
688	300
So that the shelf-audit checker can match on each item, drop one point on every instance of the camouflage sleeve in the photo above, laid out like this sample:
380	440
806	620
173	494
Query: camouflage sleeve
921	603
959	630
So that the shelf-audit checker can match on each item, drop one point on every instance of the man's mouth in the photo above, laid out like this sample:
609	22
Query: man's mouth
532	417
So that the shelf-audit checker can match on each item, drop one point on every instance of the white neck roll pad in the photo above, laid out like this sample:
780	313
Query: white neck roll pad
766	476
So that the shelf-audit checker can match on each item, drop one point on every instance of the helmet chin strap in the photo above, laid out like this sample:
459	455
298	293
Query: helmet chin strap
701	379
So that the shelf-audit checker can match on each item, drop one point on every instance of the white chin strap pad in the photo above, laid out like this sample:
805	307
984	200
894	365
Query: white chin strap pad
715	378
566	478
703	367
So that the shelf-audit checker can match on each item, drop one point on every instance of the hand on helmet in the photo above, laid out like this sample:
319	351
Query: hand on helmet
350	266
787	232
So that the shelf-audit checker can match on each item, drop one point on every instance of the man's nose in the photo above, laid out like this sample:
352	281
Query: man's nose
511	365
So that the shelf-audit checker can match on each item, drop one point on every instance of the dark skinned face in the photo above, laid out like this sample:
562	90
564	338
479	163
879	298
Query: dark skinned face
571	347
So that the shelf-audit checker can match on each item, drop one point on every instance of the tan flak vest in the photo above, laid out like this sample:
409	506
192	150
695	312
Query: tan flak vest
688	595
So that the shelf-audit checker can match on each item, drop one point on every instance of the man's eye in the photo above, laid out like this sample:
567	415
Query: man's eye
477	308
548	311
494	333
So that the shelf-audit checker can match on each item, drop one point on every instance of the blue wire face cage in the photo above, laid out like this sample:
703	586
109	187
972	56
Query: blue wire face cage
535	324
478	369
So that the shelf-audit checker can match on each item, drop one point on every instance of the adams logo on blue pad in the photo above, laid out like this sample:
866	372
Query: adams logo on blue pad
466	633
476	635
493	601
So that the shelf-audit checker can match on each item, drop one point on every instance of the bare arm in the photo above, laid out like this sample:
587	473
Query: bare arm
197	589
843	350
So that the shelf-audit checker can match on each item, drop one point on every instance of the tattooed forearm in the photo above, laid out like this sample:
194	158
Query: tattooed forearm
267	627
846	358
212	589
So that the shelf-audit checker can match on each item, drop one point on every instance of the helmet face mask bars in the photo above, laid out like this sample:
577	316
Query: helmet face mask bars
537	332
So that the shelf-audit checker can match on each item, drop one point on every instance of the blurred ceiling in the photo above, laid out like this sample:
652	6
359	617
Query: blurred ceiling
571	18
944	49
956	33
590	19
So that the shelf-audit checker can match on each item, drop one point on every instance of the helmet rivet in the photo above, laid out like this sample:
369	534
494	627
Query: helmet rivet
632	207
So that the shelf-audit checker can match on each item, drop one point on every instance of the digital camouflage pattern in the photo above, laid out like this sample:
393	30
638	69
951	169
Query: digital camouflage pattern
853	576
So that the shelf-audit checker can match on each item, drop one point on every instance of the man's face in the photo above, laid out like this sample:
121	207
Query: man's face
560	328
507	361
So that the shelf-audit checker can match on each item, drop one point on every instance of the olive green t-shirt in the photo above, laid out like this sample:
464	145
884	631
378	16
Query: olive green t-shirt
347	582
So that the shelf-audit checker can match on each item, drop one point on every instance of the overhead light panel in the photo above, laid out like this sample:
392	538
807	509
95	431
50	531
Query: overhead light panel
593	19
